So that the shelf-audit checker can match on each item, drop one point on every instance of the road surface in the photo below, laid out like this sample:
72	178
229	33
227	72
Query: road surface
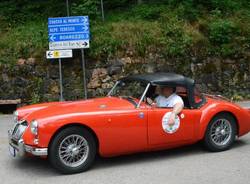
188	165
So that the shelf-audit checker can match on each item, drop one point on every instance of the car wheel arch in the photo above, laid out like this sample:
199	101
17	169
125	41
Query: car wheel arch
219	113
76	125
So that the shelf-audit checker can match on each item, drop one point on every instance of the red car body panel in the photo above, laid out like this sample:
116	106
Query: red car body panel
120	128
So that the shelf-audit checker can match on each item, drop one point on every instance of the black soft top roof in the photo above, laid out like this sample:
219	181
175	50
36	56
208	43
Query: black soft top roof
162	79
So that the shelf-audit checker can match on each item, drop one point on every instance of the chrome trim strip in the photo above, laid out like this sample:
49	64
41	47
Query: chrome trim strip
143	95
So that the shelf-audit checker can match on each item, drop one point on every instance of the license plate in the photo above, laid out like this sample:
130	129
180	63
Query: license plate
12	151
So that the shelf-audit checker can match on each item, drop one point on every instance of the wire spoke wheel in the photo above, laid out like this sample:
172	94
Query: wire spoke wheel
73	150
221	132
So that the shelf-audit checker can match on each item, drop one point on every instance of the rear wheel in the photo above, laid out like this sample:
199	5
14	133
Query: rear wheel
72	150
220	133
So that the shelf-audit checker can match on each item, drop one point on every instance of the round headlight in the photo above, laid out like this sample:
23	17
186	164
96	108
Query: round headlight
34	127
15	113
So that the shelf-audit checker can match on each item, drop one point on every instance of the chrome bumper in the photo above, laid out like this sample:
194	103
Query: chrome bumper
21	149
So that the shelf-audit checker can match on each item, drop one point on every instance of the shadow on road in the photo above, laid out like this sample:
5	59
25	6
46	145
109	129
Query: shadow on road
41	167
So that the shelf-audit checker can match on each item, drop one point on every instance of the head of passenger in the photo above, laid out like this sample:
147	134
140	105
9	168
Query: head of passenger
167	91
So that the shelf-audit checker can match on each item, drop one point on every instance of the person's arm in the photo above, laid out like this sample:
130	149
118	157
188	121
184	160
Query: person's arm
178	107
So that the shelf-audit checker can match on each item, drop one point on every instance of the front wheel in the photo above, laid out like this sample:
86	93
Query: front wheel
220	133
72	150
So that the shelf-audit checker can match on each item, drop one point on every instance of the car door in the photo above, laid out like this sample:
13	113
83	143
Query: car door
158	134
125	132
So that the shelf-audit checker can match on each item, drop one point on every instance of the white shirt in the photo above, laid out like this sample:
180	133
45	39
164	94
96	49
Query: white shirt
170	101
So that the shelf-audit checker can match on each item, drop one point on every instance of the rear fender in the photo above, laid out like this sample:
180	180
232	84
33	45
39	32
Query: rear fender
242	117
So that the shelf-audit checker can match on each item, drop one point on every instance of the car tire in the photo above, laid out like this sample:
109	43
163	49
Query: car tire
221	132
72	150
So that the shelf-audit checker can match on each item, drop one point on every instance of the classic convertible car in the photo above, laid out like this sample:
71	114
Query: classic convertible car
70	134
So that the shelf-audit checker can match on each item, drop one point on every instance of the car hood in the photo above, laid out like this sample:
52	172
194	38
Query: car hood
84	106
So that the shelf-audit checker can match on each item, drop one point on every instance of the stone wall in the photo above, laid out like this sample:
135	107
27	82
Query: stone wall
36	81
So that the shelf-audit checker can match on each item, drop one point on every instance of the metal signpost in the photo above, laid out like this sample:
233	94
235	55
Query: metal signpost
67	6
70	33
102	9
58	54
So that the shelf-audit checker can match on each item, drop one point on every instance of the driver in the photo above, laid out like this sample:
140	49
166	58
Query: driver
168	98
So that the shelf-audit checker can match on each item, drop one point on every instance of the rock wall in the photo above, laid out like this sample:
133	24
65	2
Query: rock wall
35	80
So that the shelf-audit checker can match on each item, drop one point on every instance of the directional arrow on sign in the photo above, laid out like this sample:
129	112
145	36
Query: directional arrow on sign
85	44
52	38
85	19
50	54
85	28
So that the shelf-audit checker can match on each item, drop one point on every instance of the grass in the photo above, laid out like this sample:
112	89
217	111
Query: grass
28	40
173	31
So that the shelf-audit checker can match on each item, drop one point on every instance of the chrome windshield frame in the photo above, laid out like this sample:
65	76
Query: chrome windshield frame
143	95
112	89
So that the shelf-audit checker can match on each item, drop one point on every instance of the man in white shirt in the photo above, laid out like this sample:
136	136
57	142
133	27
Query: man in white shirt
168	98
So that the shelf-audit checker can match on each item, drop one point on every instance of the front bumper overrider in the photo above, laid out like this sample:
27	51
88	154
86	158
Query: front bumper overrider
22	149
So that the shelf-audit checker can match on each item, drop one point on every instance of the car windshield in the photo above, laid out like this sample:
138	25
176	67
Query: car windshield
132	89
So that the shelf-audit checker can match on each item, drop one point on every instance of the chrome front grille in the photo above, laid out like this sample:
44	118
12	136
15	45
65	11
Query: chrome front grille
19	130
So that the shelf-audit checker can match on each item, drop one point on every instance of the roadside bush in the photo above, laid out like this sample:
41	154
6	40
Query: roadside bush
222	31
29	40
176	39
224	5
21	11
103	44
148	11
86	7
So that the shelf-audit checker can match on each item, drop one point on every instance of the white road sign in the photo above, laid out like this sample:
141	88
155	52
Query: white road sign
69	45
55	54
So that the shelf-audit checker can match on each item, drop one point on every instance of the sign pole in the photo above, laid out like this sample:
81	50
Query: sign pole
103	18
59	54
67	5
84	75
61	85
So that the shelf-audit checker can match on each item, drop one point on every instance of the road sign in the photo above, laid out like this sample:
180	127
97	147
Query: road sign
56	54
69	45
68	32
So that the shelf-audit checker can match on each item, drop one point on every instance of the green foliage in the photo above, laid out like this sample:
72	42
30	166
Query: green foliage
21	11
224	5
118	3
23	42
173	28
147	12
176	38
86	7
104	46
222	31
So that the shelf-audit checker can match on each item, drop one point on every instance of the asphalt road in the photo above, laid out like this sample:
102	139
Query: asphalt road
186	165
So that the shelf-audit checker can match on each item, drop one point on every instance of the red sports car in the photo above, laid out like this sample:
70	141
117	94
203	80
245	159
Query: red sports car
70	134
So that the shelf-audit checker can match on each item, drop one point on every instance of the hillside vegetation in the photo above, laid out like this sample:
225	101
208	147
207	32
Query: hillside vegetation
172	27
208	40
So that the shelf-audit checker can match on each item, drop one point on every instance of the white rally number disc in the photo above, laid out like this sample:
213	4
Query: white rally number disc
165	125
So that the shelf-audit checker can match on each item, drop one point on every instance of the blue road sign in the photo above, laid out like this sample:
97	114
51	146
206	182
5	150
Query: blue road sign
68	32
68	37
